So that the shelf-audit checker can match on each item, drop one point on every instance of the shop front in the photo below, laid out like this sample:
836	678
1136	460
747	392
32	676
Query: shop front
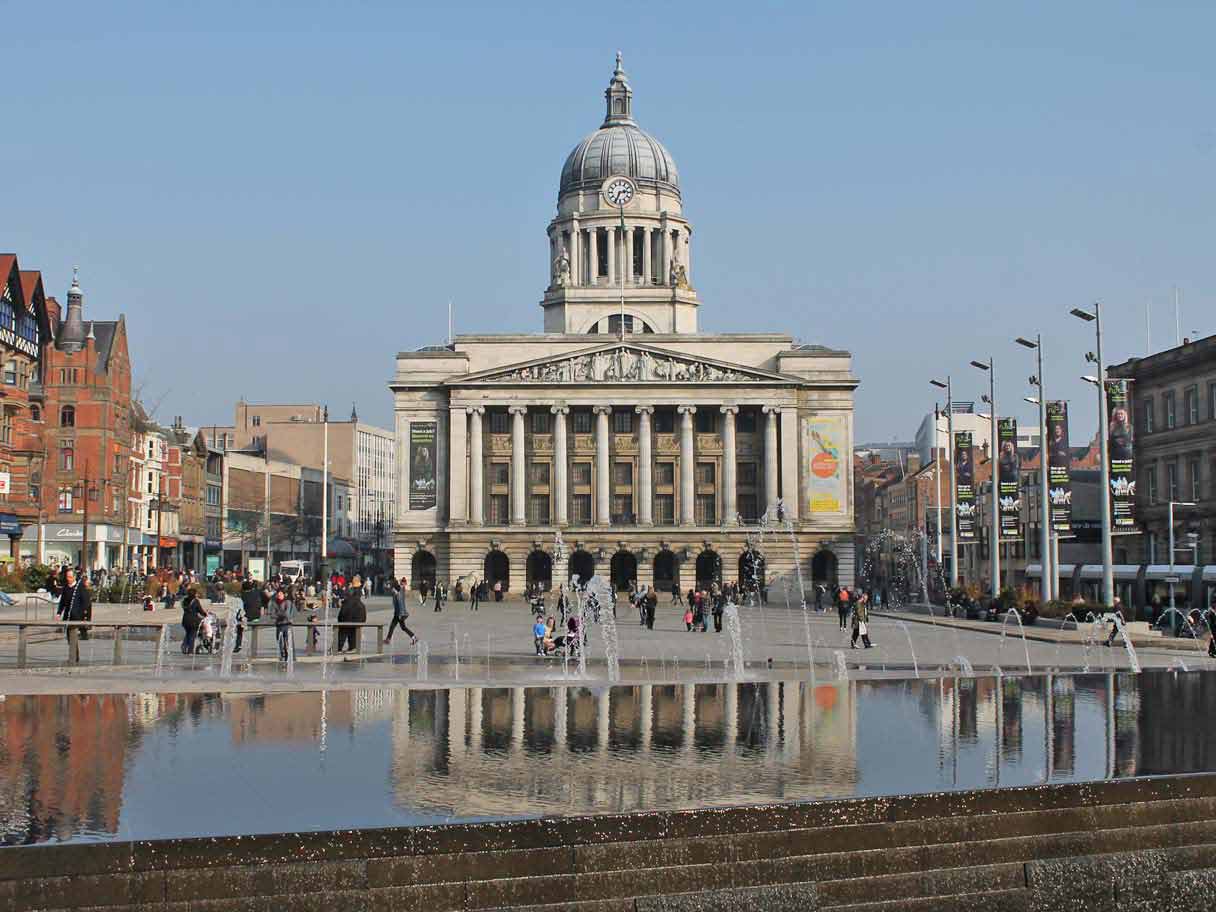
10	525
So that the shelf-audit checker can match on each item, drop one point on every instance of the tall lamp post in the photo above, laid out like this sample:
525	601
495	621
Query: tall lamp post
1175	503
1095	357
953	492
1048	580
995	524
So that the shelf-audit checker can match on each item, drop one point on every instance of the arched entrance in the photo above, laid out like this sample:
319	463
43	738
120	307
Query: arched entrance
422	570
497	569
540	570
823	569
624	570
709	569
751	570
582	565
666	571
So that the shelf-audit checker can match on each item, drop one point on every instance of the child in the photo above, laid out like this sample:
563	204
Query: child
688	619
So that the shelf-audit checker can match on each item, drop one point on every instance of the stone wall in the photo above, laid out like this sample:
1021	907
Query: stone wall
1128	845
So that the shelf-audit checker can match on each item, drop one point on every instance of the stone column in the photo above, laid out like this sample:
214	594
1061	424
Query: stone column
603	502
664	253
789	463
770	456
688	254
561	465
477	499
730	488
645	467
628	270
687	466
576	253
519	514
593	255
647	241
457	463
611	243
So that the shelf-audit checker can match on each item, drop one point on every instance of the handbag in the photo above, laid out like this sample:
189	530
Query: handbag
863	629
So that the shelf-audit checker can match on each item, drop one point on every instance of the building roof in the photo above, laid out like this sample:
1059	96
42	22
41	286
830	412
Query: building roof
104	333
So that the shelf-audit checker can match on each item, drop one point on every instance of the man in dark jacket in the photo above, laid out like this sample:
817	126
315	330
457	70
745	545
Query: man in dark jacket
75	601
400	611
353	611
251	598
192	617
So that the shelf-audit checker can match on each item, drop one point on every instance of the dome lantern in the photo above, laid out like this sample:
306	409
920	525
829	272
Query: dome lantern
619	97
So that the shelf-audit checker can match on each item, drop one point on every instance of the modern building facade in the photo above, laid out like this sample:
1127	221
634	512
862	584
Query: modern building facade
623	440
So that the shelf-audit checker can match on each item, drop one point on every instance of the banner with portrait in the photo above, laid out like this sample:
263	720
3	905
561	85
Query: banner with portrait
1120	442
1059	468
828	439
964	487
1009	479
422	492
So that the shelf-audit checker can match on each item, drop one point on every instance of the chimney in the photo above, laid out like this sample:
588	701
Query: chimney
913	463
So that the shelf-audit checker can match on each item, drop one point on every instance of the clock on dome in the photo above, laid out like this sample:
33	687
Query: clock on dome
619	191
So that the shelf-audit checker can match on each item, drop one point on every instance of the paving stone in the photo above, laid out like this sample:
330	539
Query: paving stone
792	897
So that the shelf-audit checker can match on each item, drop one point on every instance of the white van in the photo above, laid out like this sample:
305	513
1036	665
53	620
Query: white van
295	571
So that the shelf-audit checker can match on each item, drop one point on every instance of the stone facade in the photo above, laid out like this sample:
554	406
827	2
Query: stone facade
622	440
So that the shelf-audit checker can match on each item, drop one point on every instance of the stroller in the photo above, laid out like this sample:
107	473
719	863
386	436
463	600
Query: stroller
207	634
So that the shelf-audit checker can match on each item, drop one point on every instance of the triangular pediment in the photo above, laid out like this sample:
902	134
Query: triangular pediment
623	362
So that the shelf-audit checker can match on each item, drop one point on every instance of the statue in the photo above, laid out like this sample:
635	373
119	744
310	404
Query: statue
561	269
677	276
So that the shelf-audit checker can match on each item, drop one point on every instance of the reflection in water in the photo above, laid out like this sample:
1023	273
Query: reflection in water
158	765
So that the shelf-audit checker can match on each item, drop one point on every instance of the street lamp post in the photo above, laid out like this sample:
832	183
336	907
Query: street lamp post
1108	570
995	525
1174	503
953	491
1049	572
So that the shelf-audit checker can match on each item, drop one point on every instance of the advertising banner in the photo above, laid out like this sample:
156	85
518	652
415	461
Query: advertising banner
423	492
1009	484
829	437
1059	471
1119	445
964	487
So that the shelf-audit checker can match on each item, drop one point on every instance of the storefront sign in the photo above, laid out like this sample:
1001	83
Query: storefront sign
1119	445
166	542
828	476
6	483
9	524
1009	486
1059	471
213	544
964	487
422	493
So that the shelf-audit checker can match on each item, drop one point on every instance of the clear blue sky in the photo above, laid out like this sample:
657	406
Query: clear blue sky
280	196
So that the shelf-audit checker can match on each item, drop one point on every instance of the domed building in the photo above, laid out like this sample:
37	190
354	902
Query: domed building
621	440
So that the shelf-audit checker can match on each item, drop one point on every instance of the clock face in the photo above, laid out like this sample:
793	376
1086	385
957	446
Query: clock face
619	191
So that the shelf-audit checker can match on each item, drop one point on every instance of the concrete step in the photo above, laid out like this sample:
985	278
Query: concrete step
922	883
1015	900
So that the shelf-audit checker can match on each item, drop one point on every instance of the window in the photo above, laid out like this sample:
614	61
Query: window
580	509
1190	404
540	422
499	507
746	422
580	473
117	463
65	500
622	474
664	421
67	459
705	510
622	422
67	416
1170	416
614	323
500	473
151	450
706	472
538	509
35	413
151	489
256	420
1150	475
747	474
749	507
500	423
665	509
538	473
707	421
665	473
115	504
1147	407
10	373
622	509
1171	479
582	422
1196	488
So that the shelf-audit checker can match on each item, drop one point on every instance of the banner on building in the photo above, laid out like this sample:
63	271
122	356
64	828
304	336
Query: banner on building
423	493
1119	445
828	440
1059	468
1009	483
964	487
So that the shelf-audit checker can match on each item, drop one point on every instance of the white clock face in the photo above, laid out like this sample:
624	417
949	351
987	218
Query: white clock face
619	192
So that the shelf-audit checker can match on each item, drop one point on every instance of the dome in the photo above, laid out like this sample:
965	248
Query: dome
619	148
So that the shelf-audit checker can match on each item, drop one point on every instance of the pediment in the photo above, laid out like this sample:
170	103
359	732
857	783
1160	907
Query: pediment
623	362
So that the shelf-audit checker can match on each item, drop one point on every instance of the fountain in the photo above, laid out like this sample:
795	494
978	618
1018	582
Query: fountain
964	666
455	654
911	648
734	630
1025	645
842	666
162	646
421	661
597	602
1117	619
228	645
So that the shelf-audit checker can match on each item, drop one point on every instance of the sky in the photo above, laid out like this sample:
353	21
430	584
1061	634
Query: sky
281	196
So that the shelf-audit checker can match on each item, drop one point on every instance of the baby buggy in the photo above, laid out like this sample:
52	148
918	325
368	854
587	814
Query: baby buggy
208	630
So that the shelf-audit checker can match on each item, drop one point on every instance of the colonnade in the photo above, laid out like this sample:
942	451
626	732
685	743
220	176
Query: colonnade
659	246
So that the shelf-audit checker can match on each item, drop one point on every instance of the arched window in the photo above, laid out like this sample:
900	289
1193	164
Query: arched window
67	459
67	416
35	413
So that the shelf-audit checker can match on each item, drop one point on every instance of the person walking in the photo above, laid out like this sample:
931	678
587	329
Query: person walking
438	597
75	602
498	590
192	619
474	595
400	611
353	611
652	602
861	624
842	606
282	608
675	593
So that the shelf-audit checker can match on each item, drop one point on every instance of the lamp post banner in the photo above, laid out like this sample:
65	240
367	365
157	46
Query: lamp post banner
423	492
1009	484
1059	467
964	487
1119	445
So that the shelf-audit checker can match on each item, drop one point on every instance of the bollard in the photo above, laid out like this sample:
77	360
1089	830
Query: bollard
380	639
118	645
21	643
74	645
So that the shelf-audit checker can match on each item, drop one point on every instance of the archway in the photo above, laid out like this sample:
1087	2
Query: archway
624	570
823	569
540	570
497	569
709	569
422	570
666	571
582	565
751	570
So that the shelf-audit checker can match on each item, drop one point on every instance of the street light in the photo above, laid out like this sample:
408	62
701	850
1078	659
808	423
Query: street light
1108	570
1175	503
995	533
953	493
1049	580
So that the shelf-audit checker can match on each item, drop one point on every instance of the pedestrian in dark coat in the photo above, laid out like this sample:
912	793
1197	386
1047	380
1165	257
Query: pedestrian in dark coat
251	599
353	611
192	618
75	601
400	611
